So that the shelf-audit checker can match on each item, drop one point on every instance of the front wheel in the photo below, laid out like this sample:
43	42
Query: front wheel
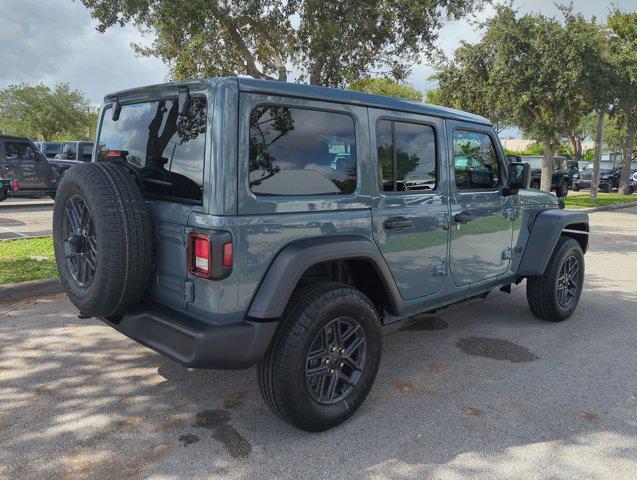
575	187
554	295
324	357
607	188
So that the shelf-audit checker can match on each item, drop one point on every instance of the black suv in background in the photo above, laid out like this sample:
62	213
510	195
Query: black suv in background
21	160
49	149
563	170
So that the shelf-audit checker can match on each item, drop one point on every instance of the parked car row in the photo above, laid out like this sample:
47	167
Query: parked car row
33	168
577	175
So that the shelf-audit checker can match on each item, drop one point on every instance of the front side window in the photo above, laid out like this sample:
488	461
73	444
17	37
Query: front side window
406	156
19	151
166	149
475	160
296	151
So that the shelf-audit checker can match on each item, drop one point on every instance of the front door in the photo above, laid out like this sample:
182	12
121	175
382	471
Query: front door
410	207
481	225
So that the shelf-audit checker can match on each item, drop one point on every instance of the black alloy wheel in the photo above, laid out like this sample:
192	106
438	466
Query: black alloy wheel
80	245
568	282
335	360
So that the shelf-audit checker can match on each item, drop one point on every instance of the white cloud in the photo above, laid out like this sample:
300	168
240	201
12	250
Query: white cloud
55	41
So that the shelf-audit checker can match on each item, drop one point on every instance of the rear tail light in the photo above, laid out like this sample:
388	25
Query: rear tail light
116	154
210	256
199	255
15	185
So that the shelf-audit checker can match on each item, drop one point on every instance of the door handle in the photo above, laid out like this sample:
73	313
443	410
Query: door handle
463	217
397	223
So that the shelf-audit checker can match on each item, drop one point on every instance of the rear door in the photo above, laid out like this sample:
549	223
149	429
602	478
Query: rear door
410	209
481	216
167	150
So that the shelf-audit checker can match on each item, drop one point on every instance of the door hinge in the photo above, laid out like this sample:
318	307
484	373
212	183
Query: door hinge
506	253
442	221
440	269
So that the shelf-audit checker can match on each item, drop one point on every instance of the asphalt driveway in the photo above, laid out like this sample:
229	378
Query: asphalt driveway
481	390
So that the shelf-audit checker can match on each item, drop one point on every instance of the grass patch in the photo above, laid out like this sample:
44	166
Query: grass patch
26	259
603	199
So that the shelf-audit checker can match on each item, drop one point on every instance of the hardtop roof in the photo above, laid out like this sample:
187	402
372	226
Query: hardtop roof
273	87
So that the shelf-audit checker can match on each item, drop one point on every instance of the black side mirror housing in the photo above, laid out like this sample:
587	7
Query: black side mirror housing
117	109
519	177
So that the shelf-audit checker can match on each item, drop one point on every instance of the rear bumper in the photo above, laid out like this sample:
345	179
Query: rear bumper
194	343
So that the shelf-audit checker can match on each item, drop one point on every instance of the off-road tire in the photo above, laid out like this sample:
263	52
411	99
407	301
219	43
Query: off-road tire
541	292
575	187
123	237
281	373
608	188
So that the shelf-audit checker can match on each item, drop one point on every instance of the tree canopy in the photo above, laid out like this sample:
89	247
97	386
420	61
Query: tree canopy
330	42
539	73
387	87
38	112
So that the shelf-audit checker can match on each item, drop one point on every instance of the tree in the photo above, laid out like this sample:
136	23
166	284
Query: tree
465	82
36	111
386	86
624	55
331	42
534	71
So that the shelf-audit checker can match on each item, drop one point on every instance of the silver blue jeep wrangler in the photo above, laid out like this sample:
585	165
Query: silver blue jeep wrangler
229	222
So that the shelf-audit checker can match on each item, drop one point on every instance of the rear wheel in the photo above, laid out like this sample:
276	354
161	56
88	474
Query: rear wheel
607	188
555	295
324	357
575	187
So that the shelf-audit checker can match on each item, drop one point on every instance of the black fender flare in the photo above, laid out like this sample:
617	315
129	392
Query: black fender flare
291	263
546	229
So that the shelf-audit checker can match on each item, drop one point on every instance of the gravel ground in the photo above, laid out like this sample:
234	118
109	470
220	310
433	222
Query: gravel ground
481	390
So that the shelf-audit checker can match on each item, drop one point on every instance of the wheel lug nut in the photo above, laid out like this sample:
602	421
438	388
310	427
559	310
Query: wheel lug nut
332	370
342	364
341	351
333	348
326	361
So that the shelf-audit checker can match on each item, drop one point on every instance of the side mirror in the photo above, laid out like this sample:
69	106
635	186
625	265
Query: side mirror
519	177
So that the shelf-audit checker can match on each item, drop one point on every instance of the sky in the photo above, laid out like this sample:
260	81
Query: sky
52	41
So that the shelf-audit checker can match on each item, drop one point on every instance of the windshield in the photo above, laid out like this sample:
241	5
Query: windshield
166	149
535	162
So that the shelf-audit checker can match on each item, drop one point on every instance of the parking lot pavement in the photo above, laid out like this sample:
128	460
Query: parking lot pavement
480	390
25	217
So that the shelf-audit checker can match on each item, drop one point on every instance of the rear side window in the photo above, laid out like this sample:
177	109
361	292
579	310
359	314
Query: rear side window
69	151
475	161
407	156
166	149
19	151
295	151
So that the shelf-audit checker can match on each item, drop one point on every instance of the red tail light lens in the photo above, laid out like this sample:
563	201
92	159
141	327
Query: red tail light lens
199	255
227	254
15	185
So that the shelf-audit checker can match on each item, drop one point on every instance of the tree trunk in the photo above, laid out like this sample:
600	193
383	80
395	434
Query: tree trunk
598	154
547	166
629	143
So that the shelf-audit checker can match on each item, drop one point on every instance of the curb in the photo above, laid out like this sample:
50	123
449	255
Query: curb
616	206
32	288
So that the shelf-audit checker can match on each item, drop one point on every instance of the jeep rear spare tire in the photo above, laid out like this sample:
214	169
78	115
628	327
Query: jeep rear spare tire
102	237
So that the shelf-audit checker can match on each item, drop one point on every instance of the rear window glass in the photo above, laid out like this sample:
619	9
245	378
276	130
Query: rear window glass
166	149
296	151
19	150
